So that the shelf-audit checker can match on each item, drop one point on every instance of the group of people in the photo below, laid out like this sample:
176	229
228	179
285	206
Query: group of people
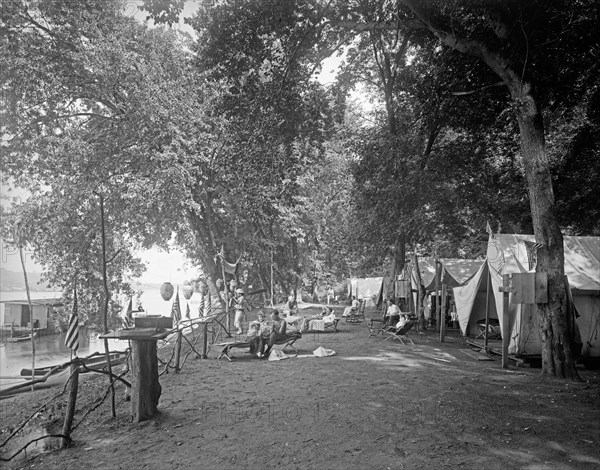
393	316
263	334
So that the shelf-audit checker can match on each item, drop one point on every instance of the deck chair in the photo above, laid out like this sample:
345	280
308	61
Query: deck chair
376	324
358	315
493	331
323	325
400	334
224	349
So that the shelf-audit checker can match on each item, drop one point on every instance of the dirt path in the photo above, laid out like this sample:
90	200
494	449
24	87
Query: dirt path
376	404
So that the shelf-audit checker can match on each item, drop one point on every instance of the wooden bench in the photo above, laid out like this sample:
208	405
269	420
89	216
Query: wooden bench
225	348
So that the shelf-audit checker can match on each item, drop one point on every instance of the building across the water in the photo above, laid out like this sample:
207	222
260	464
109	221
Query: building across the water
16	315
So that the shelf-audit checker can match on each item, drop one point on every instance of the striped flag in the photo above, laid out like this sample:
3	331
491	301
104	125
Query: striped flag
187	311
72	339
176	309
501	265
229	268
208	305
201	307
532	249
488	229
127	316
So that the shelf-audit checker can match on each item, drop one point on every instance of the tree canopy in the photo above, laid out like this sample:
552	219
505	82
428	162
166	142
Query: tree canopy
470	113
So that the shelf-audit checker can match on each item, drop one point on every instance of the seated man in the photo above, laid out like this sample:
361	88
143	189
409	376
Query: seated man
278	331
392	315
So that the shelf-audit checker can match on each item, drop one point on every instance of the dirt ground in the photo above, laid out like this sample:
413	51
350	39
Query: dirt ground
375	404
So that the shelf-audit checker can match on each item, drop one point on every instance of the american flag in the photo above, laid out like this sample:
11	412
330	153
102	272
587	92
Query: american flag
176	310
127	316
488	229
201	307
72	339
208	305
532	249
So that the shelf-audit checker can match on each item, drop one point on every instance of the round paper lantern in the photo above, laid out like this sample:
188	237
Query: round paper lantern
167	290
188	290
203	287
220	284
232	284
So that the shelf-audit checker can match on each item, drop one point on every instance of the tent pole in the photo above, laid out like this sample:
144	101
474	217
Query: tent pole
487	311
443	313
506	289
272	286
225	293
437	279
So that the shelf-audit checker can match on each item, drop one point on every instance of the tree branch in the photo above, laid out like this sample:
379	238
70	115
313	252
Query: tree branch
470	92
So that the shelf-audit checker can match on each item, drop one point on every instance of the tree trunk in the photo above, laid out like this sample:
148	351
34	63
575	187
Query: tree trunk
420	308
557	348
31	318
72	401
145	384
105	304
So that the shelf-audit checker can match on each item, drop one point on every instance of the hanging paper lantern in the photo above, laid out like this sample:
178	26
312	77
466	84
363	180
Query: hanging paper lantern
188	290
203	287
220	284
167	290
232	284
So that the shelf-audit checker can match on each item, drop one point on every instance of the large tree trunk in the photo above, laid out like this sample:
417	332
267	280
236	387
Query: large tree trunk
556	335
420	308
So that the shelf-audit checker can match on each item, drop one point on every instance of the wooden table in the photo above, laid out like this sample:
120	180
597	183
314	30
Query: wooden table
145	387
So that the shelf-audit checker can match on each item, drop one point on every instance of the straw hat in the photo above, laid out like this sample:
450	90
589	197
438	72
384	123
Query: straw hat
239	291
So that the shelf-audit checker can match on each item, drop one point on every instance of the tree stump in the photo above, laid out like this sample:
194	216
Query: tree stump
145	387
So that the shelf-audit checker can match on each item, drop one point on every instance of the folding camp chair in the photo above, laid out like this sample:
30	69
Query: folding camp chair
400	334
224	349
493	331
376	324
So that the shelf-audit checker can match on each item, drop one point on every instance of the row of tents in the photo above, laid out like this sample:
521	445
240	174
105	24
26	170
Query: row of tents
475	288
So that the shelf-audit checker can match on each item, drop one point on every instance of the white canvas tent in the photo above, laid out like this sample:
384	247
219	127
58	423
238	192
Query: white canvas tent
366	288
508	254
450	271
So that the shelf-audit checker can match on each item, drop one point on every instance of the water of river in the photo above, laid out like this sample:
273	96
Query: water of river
51	350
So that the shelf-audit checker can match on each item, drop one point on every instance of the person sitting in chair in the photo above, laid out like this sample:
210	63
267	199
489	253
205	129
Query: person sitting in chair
352	309
403	320
258	331
392	316
330	316
278	330
290	308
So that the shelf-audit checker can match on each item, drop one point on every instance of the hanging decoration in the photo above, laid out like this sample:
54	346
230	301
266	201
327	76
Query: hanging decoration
167	290
188	290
